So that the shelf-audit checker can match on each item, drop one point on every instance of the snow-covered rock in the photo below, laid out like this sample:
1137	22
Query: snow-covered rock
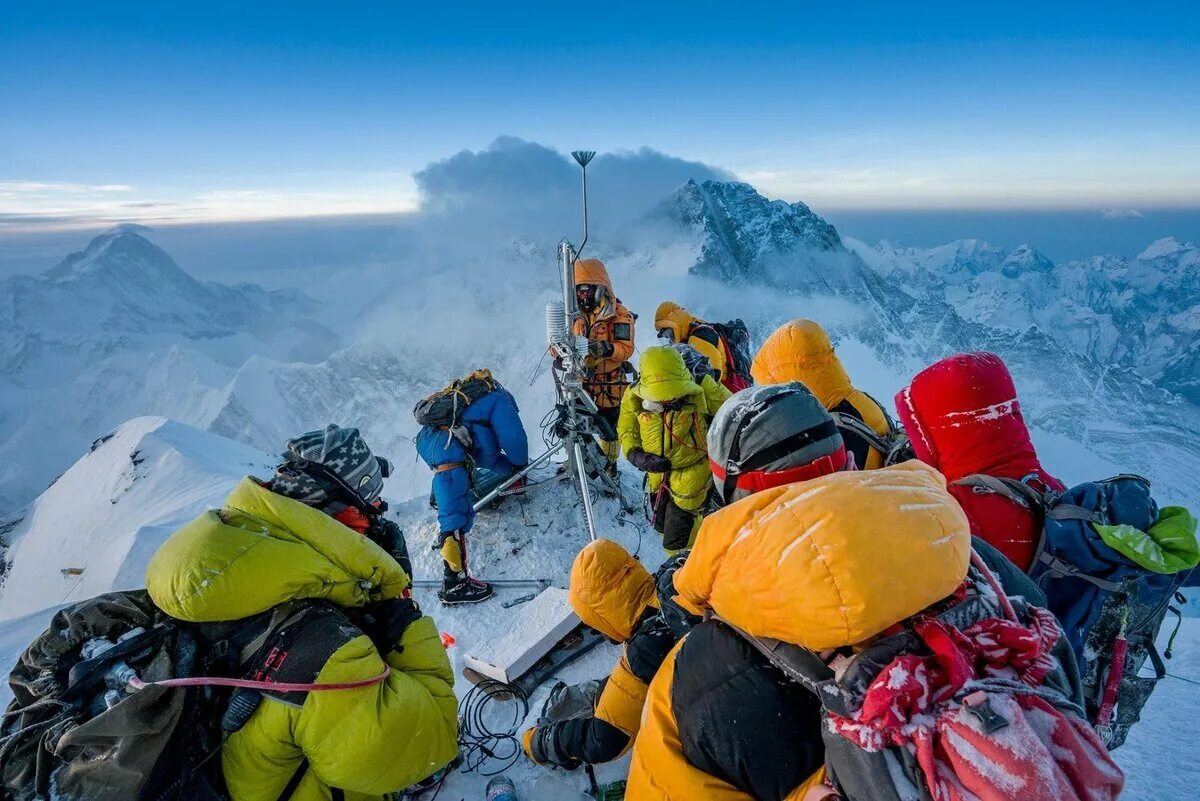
741	235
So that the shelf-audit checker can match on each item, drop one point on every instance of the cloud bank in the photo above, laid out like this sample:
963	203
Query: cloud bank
534	190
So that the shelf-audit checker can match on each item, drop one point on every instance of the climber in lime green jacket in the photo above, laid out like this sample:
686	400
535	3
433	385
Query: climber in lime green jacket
662	429
313	534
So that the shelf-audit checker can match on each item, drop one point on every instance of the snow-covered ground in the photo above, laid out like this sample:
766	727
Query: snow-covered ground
109	512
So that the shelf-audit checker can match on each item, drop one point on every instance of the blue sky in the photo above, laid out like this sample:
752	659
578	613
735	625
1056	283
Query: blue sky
249	111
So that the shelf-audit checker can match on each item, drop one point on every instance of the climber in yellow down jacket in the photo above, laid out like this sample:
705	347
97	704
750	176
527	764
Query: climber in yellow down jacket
305	546
662	429
801	351
596	721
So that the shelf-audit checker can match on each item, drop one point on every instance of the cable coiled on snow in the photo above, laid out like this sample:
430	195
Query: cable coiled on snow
480	741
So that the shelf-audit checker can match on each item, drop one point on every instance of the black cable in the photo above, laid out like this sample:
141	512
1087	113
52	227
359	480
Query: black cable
478	742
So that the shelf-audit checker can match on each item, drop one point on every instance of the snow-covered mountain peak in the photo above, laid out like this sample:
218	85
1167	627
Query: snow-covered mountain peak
743	237
122	254
1025	259
1167	246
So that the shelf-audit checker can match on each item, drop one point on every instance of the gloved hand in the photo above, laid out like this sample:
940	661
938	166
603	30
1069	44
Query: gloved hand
600	348
387	535
386	621
538	745
527	745
648	462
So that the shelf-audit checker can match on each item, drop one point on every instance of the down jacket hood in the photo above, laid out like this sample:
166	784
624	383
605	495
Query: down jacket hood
610	590
962	416
263	549
664	376
833	561
678	319
801	351
593	271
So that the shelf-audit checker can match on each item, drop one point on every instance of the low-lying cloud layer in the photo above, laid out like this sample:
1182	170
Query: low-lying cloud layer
532	189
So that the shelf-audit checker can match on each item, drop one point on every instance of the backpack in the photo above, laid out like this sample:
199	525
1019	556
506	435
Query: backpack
894	445
1093	561
444	408
735	340
117	701
963	700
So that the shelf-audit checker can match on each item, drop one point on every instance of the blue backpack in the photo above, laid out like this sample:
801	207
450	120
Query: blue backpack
1111	599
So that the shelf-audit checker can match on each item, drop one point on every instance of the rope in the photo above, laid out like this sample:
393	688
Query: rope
266	686
1184	678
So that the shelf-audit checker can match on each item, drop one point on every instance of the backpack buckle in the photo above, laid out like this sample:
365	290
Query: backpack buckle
980	707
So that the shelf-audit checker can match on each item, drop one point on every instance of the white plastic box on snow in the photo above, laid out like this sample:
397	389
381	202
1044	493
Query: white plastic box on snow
539	626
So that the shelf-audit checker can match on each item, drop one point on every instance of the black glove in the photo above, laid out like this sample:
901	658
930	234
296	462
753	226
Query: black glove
386	621
648	462
387	535
600	347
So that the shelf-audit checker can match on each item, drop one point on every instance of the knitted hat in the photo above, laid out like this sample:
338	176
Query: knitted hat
772	435
330	467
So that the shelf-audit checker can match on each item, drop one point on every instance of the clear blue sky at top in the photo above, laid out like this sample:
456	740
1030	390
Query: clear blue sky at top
802	98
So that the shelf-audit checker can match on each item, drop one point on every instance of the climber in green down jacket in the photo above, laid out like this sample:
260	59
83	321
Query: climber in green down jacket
314	534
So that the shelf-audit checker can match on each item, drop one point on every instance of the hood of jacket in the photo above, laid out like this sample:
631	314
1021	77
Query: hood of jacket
833	561
262	549
593	271
610	590
663	376
801	351
675	317
963	417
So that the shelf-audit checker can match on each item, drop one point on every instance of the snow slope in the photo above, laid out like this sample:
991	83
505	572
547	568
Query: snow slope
112	509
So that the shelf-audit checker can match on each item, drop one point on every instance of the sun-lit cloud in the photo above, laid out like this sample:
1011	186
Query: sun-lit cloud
57	187
52	204
1121	214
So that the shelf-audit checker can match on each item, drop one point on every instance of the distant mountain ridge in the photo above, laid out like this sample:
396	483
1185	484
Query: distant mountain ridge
120	330
1142	313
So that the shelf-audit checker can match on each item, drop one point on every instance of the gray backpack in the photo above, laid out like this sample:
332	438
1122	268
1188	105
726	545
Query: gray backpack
77	731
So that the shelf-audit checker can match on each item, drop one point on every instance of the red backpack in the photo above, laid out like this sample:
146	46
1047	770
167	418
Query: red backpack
735	344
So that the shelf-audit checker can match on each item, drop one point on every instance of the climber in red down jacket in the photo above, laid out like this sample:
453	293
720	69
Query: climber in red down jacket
963	418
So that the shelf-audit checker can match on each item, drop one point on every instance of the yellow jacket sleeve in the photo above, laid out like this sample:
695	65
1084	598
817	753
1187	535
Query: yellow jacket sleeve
715	394
388	736
629	432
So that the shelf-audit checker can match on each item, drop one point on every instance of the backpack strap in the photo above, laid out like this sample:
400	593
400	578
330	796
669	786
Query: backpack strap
798	664
1060	568
1014	490
849	421
293	784
1069	511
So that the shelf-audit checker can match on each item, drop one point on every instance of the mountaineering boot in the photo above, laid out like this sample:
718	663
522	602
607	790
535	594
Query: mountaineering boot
459	588
465	591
